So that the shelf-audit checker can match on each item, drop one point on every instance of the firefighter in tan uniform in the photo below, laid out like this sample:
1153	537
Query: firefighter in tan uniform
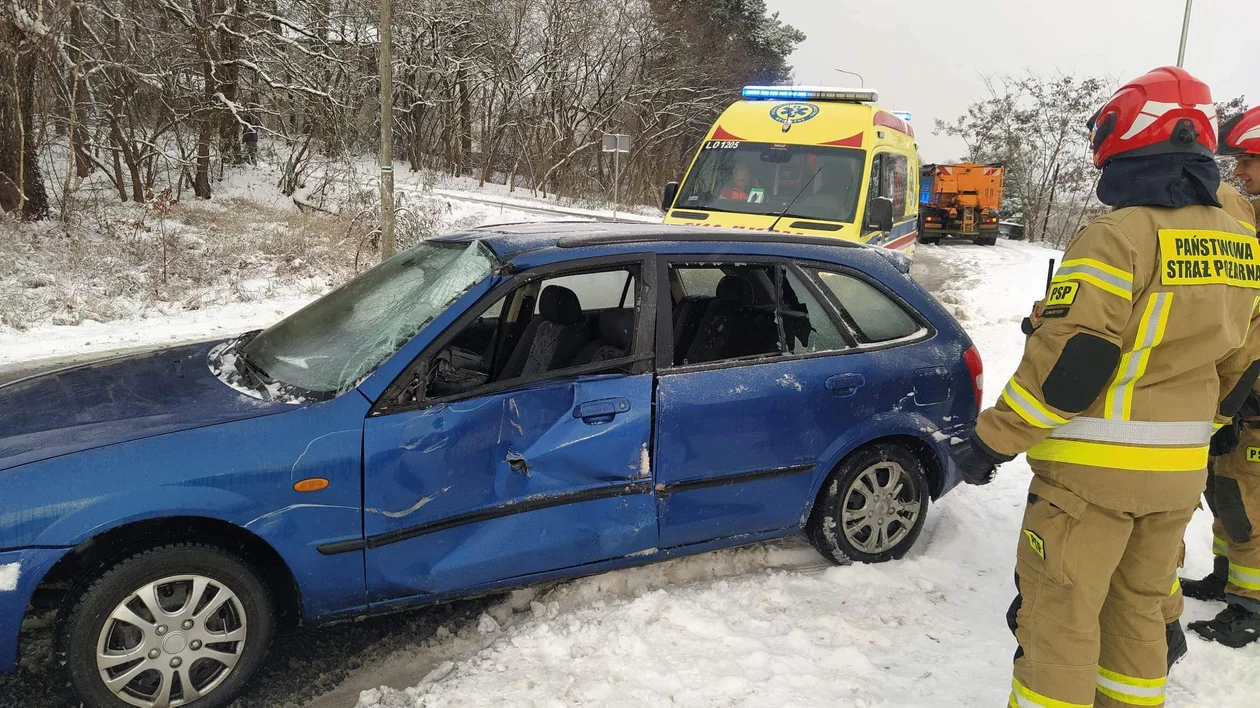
1225	441
1140	345
1234	488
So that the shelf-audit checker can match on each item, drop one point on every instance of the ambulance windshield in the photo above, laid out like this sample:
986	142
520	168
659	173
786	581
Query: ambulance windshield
763	178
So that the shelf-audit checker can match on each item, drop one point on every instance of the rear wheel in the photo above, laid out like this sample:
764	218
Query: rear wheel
986	241
172	626
872	508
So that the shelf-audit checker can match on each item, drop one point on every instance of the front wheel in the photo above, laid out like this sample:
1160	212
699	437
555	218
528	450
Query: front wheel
872	507
173	626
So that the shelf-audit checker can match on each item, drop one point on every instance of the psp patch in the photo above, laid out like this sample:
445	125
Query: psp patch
1038	545
791	113
1253	454
1060	298
1193	257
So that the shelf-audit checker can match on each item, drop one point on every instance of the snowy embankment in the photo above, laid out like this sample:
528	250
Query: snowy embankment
771	626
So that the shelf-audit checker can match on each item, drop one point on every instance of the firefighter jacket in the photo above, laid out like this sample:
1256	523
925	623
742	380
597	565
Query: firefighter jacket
1142	345
1237	206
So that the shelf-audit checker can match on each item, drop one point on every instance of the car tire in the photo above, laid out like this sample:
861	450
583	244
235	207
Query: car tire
169	634
989	241
889	484
930	240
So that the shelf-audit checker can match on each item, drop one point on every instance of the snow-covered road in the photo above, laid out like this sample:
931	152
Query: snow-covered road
769	625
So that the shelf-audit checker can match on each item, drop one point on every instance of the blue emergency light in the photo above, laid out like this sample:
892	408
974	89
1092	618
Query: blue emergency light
907	116
809	93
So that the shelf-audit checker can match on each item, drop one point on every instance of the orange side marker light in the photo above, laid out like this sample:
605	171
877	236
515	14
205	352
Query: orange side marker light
314	484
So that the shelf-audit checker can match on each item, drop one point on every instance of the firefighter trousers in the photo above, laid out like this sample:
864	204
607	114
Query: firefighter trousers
1088	616
1234	495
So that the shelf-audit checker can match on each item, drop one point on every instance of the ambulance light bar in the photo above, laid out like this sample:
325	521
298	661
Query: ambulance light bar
810	93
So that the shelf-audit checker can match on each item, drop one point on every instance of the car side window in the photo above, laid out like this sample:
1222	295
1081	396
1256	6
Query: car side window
875	316
732	311
807	328
543	327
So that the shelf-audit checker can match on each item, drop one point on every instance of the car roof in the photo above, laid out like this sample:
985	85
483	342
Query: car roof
510	241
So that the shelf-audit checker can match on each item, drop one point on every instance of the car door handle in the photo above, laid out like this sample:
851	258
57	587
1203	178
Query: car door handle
845	385
601	411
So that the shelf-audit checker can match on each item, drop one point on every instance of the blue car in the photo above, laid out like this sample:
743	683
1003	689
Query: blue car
489	409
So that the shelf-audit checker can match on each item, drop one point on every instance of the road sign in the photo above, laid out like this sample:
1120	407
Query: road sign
614	142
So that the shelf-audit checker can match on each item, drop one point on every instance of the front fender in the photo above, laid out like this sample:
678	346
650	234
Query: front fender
241	473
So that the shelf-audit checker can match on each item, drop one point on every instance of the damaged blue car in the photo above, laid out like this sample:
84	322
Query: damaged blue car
488	409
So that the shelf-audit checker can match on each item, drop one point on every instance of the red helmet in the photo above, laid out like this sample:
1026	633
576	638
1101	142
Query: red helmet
1164	111
1240	135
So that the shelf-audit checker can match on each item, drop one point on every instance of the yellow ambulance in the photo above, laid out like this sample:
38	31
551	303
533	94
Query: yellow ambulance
805	160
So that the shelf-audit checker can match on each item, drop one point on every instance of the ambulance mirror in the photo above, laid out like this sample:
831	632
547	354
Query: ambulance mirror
671	192
879	214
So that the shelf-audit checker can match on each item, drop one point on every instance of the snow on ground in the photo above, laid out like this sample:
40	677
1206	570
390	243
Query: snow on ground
769	626
170	323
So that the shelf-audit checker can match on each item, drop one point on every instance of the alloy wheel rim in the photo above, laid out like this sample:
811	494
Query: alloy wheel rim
880	508
171	641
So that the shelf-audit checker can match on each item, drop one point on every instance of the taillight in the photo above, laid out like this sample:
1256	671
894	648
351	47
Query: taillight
975	367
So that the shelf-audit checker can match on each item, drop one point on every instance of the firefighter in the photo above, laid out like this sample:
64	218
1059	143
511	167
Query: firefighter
1140	346
1213	586
1233	491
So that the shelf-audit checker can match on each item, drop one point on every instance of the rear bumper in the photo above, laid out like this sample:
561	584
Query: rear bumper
20	572
954	442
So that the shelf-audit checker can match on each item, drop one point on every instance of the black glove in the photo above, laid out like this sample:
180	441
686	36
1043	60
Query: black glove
978	464
1250	408
1225	440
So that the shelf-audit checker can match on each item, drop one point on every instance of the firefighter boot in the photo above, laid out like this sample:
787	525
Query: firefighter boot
1176	639
1235	627
1211	587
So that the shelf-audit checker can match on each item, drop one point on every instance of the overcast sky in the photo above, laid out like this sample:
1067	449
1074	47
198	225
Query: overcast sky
927	56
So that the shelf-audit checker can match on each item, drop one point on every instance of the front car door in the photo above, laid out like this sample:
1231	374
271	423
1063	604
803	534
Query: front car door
526	449
759	378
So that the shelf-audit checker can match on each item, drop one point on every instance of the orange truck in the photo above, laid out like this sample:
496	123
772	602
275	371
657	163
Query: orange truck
960	200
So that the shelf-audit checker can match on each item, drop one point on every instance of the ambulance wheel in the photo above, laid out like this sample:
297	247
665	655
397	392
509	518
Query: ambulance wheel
872	507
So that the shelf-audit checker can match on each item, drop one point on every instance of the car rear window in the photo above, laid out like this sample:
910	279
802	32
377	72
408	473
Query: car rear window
877	317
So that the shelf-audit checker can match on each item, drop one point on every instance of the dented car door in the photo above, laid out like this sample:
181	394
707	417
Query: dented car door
549	474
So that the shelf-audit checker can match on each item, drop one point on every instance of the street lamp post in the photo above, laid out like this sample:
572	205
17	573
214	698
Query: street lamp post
853	73
388	244
1185	32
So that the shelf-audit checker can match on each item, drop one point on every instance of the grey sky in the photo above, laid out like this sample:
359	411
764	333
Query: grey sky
926	56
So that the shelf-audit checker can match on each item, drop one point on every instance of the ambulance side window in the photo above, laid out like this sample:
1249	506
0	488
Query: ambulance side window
894	182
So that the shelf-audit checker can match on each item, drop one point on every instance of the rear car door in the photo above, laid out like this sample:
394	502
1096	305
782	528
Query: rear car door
523	450
760	374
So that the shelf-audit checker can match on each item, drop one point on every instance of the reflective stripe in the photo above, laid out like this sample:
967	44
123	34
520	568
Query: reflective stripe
1129	690
1248	225
1121	457
1136	432
1219	546
1024	697
1087	270
1217	426
1029	408
1244	577
1119	403
1176	585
